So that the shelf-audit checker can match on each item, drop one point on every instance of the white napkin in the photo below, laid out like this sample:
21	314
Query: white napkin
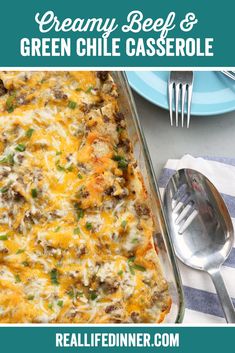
202	305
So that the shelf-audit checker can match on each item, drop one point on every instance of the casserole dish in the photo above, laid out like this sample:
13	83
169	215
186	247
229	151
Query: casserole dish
77	225
161	237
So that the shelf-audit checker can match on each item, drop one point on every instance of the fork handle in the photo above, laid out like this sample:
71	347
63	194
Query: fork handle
225	300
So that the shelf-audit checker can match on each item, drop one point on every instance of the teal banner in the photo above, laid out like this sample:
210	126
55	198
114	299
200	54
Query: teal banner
116	339
117	34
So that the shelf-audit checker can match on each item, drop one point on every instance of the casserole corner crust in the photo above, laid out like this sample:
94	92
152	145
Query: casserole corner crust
75	227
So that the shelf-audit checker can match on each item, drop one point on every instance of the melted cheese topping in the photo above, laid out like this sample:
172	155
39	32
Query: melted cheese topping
75	227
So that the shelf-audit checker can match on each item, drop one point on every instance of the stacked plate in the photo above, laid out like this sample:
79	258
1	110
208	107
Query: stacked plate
213	92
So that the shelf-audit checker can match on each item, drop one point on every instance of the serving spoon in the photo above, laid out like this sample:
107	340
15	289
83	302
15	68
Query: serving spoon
201	228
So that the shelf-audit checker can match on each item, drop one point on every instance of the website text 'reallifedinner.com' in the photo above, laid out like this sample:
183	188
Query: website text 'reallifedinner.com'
104	339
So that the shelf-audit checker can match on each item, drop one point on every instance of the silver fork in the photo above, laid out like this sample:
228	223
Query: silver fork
180	82
230	74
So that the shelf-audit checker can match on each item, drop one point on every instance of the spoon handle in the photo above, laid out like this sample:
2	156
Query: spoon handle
225	300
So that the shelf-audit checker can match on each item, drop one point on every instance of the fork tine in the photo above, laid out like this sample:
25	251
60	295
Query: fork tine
190	92
230	74
188	221
170	97
185	212
183	103
177	94
180	85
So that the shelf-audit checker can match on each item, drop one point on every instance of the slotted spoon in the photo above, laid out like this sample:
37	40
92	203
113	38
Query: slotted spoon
201	228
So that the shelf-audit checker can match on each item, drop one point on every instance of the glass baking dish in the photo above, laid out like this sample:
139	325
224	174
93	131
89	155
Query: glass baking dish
161	236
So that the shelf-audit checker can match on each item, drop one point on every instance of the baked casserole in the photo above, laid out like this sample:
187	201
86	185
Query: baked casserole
75	227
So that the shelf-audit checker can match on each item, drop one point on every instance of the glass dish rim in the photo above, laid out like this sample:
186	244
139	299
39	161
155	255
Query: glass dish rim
151	173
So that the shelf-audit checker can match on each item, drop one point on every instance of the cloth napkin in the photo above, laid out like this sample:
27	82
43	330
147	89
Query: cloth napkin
201	302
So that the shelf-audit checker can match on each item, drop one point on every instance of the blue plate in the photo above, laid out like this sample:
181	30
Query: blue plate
213	92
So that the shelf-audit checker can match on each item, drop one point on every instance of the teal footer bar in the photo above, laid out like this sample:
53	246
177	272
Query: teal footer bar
116	339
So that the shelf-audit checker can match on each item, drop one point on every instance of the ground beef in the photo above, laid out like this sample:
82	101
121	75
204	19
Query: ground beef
110	308
142	210
58	94
21	100
125	145
86	108
4	251
102	75
135	317
106	119
110	285
81	250
109	191
3	90
118	117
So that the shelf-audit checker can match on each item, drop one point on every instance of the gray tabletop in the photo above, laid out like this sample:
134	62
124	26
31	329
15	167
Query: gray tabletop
207	136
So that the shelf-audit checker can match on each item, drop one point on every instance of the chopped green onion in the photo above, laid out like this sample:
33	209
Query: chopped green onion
70	168
3	237
60	303
54	276
30	297
17	279
72	105
124	224
57	229
89	89
93	295
120	272
122	162
60	168
25	263
130	264
80	176
71	293
50	306
139	267
80	213
4	189
76	231
131	259
134	240
120	129
88	225
34	193
20	147
133	266
29	132
8	159
79	294
80	192
10	109
78	89
58	153
9	103
116	157
11	159
19	251
63	169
